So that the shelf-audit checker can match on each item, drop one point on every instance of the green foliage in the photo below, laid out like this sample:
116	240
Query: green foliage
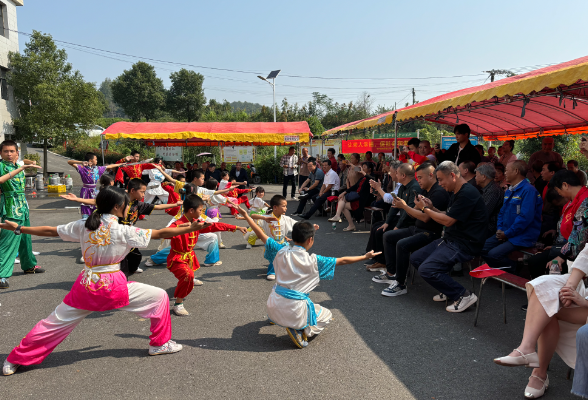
568	146
117	149
113	110
269	168
249	108
33	157
315	126
53	100
185	98
139	92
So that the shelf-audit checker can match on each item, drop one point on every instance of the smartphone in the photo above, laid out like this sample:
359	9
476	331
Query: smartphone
416	195
395	196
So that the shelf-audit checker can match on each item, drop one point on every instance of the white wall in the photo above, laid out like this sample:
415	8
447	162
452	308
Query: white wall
8	42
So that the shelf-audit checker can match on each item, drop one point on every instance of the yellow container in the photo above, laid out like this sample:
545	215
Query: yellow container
56	188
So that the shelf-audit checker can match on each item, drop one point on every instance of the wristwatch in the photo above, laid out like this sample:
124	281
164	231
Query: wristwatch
17	230
423	209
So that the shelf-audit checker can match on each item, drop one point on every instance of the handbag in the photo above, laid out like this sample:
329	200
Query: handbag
351	196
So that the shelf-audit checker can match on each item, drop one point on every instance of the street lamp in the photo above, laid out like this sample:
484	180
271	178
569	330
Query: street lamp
273	75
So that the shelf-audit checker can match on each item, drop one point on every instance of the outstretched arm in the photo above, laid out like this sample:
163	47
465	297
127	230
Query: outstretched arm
254	227
73	197
30	230
12	174
167	206
167	176
354	259
166	233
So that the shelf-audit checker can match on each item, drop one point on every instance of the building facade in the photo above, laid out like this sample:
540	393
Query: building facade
8	43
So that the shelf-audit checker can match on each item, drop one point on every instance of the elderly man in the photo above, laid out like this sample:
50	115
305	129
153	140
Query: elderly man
462	239
331	183
519	219
302	162
398	244
492	155
491	193
573	166
289	162
467	169
239	174
461	151
410	187
314	183
546	154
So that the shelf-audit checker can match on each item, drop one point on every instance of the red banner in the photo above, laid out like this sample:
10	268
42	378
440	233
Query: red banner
373	145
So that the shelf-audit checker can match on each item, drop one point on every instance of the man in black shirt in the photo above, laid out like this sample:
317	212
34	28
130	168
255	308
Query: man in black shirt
240	174
398	244
461	151
405	175
464	235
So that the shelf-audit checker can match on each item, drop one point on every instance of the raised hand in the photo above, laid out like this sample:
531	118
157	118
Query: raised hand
316	227
376	185
179	202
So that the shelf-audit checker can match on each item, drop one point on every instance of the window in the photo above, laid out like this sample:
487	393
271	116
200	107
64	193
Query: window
2	13
3	84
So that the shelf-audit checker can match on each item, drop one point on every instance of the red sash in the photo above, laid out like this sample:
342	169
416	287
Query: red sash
567	219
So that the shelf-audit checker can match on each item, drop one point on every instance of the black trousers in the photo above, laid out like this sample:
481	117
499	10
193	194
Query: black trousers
318	203
538	262
289	179
309	195
131	262
376	240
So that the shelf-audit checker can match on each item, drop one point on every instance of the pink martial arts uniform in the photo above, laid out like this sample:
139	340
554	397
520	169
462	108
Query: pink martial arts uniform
101	286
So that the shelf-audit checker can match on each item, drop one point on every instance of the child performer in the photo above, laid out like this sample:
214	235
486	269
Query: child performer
90	173
298	273
235	194
136	189
101	286
277	226
258	207
182	261
14	207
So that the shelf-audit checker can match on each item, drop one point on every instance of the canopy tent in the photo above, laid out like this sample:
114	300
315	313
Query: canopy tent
211	133
546	101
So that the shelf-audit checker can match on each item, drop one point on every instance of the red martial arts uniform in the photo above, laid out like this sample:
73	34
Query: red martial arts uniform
235	193
133	171
182	261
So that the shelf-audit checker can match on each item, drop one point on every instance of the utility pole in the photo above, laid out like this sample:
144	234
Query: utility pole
413	99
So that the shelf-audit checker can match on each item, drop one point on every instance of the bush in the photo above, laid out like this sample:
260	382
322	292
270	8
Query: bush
33	157
269	169
117	149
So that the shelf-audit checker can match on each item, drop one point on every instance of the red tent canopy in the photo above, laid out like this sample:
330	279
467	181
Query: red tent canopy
546	101
211	133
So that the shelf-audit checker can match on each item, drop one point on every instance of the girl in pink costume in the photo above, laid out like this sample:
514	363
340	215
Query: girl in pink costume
101	286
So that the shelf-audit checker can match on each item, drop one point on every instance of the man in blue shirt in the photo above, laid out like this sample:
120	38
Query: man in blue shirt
314	184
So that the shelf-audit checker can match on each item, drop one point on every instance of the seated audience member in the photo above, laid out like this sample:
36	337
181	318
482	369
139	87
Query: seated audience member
548	170
480	149
546	154
425	150
400	220
354	172
379	171
507	156
500	179
467	169
398	244
362	198
491	193
240	174
535	176
331	156
344	168
212	172
519	219
462	150
415	154
312	186
330	184
571	227
573	166
463	237
492	155
551	212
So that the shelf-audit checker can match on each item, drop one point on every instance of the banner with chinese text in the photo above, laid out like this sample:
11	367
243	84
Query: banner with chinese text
373	145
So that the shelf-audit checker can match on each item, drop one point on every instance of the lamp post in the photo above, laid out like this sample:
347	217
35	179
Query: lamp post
273	75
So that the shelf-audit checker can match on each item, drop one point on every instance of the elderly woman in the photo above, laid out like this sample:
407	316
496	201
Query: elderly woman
507	156
356	197
557	305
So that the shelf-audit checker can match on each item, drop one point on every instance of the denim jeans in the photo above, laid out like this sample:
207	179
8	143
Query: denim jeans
309	195
495	253
318	202
580	385
289	179
435	261
398	244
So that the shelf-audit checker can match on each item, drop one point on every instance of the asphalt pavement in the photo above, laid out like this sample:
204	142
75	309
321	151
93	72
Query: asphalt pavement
407	347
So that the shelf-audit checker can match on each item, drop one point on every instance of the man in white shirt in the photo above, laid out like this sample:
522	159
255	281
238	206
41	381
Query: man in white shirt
289	163
331	185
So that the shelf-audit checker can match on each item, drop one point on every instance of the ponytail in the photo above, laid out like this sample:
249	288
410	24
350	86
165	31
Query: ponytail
105	181
107	199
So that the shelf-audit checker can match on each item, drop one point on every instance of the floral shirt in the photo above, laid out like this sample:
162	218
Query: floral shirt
13	203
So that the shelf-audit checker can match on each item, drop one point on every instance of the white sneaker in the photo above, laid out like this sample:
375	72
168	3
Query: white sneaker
17	261
462	303
36	253
149	262
168	348
439	297
198	282
179	310
9	368
222	246
139	270
271	277
248	246
216	264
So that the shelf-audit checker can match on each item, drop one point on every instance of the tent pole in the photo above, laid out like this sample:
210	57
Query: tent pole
102	147
395	139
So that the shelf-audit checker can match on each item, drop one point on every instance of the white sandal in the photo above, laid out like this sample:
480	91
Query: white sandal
532	393
530	360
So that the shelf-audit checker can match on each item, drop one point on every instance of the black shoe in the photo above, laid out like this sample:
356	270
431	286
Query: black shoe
296	214
3	283
305	216
34	270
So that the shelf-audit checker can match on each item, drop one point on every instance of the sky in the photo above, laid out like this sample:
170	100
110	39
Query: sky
384	48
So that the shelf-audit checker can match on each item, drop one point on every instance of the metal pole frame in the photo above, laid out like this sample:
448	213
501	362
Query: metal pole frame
395	138
274	89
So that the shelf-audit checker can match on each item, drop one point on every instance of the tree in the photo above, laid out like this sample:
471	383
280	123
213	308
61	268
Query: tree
139	92
113	110
54	102
185	98
315	126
